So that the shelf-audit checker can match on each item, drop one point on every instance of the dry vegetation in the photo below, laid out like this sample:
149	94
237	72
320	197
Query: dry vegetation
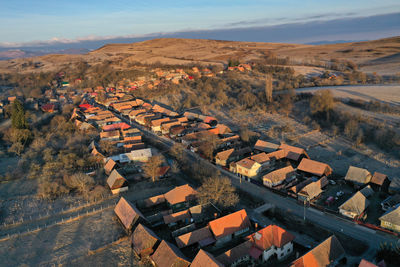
373	56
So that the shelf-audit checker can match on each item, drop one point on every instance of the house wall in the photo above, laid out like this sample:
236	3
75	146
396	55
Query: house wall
390	226
284	251
346	213
249	172
268	183
245	259
119	190
281	253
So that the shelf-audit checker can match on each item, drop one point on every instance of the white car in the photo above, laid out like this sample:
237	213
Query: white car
340	193
332	182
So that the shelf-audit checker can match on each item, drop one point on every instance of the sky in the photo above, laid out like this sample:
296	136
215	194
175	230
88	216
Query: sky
27	21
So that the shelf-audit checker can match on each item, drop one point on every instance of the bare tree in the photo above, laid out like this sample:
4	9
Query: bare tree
219	191
152	166
79	181
323	102
268	88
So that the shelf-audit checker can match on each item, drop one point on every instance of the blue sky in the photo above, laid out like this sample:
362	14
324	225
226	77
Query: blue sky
24	21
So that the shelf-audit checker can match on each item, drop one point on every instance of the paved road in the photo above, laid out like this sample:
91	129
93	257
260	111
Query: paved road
327	221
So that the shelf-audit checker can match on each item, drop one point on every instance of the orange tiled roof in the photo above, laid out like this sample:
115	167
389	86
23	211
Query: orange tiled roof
180	194
314	167
229	224
269	236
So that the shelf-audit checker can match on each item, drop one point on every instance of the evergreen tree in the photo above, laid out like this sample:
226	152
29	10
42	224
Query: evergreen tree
18	120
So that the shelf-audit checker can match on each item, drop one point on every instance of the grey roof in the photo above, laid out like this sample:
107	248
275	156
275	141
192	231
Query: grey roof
367	191
357	203
140	153
358	175
392	216
395	184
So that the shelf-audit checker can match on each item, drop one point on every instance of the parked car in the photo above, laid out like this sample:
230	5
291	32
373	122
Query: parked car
340	193
332	182
329	200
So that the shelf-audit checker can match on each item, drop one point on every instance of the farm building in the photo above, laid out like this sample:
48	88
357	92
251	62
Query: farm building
127	213
117	182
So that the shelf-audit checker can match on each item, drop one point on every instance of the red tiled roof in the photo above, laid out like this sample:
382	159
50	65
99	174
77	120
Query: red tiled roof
152	201
246	163
229	224
269	236
109	165
293	152
322	255
127	212
314	167
260	158
143	240
180	194
193	237
365	263
224	155
176	217
279	175
205	259
378	178
168	255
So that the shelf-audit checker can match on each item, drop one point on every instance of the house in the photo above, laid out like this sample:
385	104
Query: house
358	176
177	217
110	165
277	177
272	240
110	136
247	168
180	197
328	253
310	191
141	155
394	186
390	202
154	201
156	124
144	241
262	159
354	206
127	213
230	226
202	237
224	158
380	181
391	219
293	153
117	182
314	167
168	255
239	255
205	259
264	146
298	187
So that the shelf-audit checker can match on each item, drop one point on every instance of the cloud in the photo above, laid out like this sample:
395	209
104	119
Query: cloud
314	30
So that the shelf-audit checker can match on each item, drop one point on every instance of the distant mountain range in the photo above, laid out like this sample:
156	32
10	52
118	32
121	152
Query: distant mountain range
22	53
313	32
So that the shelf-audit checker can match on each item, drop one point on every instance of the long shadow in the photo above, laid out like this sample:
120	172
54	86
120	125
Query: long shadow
367	96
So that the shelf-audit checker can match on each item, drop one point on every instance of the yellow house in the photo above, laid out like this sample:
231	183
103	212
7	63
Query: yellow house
391	220
248	168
